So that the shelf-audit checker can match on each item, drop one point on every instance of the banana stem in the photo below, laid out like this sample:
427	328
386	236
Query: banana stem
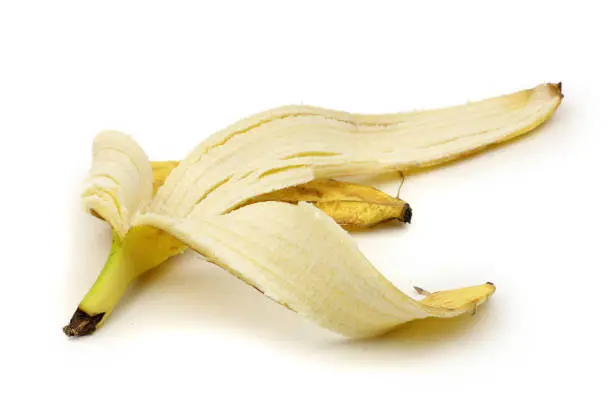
142	249
118	272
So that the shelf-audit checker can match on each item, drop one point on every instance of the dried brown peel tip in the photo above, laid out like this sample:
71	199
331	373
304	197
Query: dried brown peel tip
82	324
421	291
407	213
556	89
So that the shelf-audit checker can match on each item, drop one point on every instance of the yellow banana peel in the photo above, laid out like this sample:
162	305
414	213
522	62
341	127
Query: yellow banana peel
222	201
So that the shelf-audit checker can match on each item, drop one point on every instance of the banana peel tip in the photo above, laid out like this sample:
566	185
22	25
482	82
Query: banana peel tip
407	213
556	89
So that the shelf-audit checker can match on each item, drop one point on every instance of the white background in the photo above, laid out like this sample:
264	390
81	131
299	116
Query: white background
532	216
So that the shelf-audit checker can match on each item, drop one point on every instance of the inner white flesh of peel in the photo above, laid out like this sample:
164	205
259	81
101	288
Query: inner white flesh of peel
296	254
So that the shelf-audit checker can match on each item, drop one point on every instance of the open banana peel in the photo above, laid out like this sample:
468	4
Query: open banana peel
259	199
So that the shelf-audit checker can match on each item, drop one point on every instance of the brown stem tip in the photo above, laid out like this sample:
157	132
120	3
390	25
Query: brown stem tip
421	291
407	213
82	324
556	89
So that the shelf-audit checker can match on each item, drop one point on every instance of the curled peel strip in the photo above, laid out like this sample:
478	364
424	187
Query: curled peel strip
296	144
120	182
299	257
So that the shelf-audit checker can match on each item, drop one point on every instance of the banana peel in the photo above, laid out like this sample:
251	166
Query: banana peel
296	254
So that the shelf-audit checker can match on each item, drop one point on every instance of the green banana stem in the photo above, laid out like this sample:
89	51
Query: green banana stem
142	249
